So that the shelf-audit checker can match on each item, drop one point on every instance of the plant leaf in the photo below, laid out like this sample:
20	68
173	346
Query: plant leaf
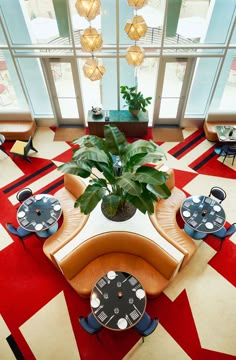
150	175
161	191
111	203
91	154
127	183
90	198
115	140
79	168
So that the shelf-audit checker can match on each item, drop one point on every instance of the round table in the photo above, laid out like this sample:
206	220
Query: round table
40	213
202	215
118	300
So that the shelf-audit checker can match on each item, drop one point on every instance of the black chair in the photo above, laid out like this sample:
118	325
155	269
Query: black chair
19	232
22	148
90	324
146	325
24	194
223	233
228	151
218	193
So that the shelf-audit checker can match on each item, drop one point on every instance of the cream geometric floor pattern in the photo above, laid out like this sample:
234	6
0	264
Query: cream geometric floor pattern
5	350
211	297
49	333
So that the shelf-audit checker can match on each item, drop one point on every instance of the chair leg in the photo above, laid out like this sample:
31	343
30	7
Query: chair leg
34	149
22	242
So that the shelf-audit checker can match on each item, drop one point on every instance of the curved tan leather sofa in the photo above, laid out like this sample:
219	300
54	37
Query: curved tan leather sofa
214	119
164	220
17	126
119	250
73	219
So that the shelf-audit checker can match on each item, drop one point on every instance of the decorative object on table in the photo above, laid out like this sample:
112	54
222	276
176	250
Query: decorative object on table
96	111
91	38
19	232
24	194
136	187
134	99
90	324
218	193
135	29
224	233
228	151
22	148
146	325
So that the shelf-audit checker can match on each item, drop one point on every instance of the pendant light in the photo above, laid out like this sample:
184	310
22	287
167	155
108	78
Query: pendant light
88	8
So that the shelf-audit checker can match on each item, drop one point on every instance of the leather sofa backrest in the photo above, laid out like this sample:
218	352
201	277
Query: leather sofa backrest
221	117
74	184
118	242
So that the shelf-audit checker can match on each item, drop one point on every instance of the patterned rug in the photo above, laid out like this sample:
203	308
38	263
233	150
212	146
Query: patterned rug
39	310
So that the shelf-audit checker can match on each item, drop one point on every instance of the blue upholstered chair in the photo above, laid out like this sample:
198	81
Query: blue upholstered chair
223	233
146	325
90	324
19	232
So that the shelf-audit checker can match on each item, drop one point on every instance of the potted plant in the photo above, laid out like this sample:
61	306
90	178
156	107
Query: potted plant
125	182
134	100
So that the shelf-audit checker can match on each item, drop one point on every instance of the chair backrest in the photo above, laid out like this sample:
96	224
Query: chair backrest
92	321
24	194
88	327
28	145
143	324
12	229
232	149
218	193
146	325
231	230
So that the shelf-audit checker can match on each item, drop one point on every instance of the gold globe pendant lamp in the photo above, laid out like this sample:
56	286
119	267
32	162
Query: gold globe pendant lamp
91	39
138	4
134	55
93	70
88	8
136	28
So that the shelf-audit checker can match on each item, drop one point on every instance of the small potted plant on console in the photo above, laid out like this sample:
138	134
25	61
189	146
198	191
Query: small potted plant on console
134	99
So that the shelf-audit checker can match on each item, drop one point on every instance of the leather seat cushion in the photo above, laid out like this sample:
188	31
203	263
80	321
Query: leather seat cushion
153	281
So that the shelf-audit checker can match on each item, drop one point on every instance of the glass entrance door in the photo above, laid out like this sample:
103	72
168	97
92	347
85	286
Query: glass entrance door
64	88
174	79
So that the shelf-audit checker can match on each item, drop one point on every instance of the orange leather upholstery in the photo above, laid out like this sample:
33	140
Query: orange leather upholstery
214	119
17	130
118	250
164	220
73	219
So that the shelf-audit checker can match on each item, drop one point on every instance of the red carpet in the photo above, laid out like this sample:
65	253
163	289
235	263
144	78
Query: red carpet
29	281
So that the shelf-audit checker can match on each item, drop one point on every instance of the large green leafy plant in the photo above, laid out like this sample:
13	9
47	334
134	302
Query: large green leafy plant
128	180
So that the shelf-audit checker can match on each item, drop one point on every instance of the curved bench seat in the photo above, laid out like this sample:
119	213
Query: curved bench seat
164	220
214	119
17	126
73	219
123	251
